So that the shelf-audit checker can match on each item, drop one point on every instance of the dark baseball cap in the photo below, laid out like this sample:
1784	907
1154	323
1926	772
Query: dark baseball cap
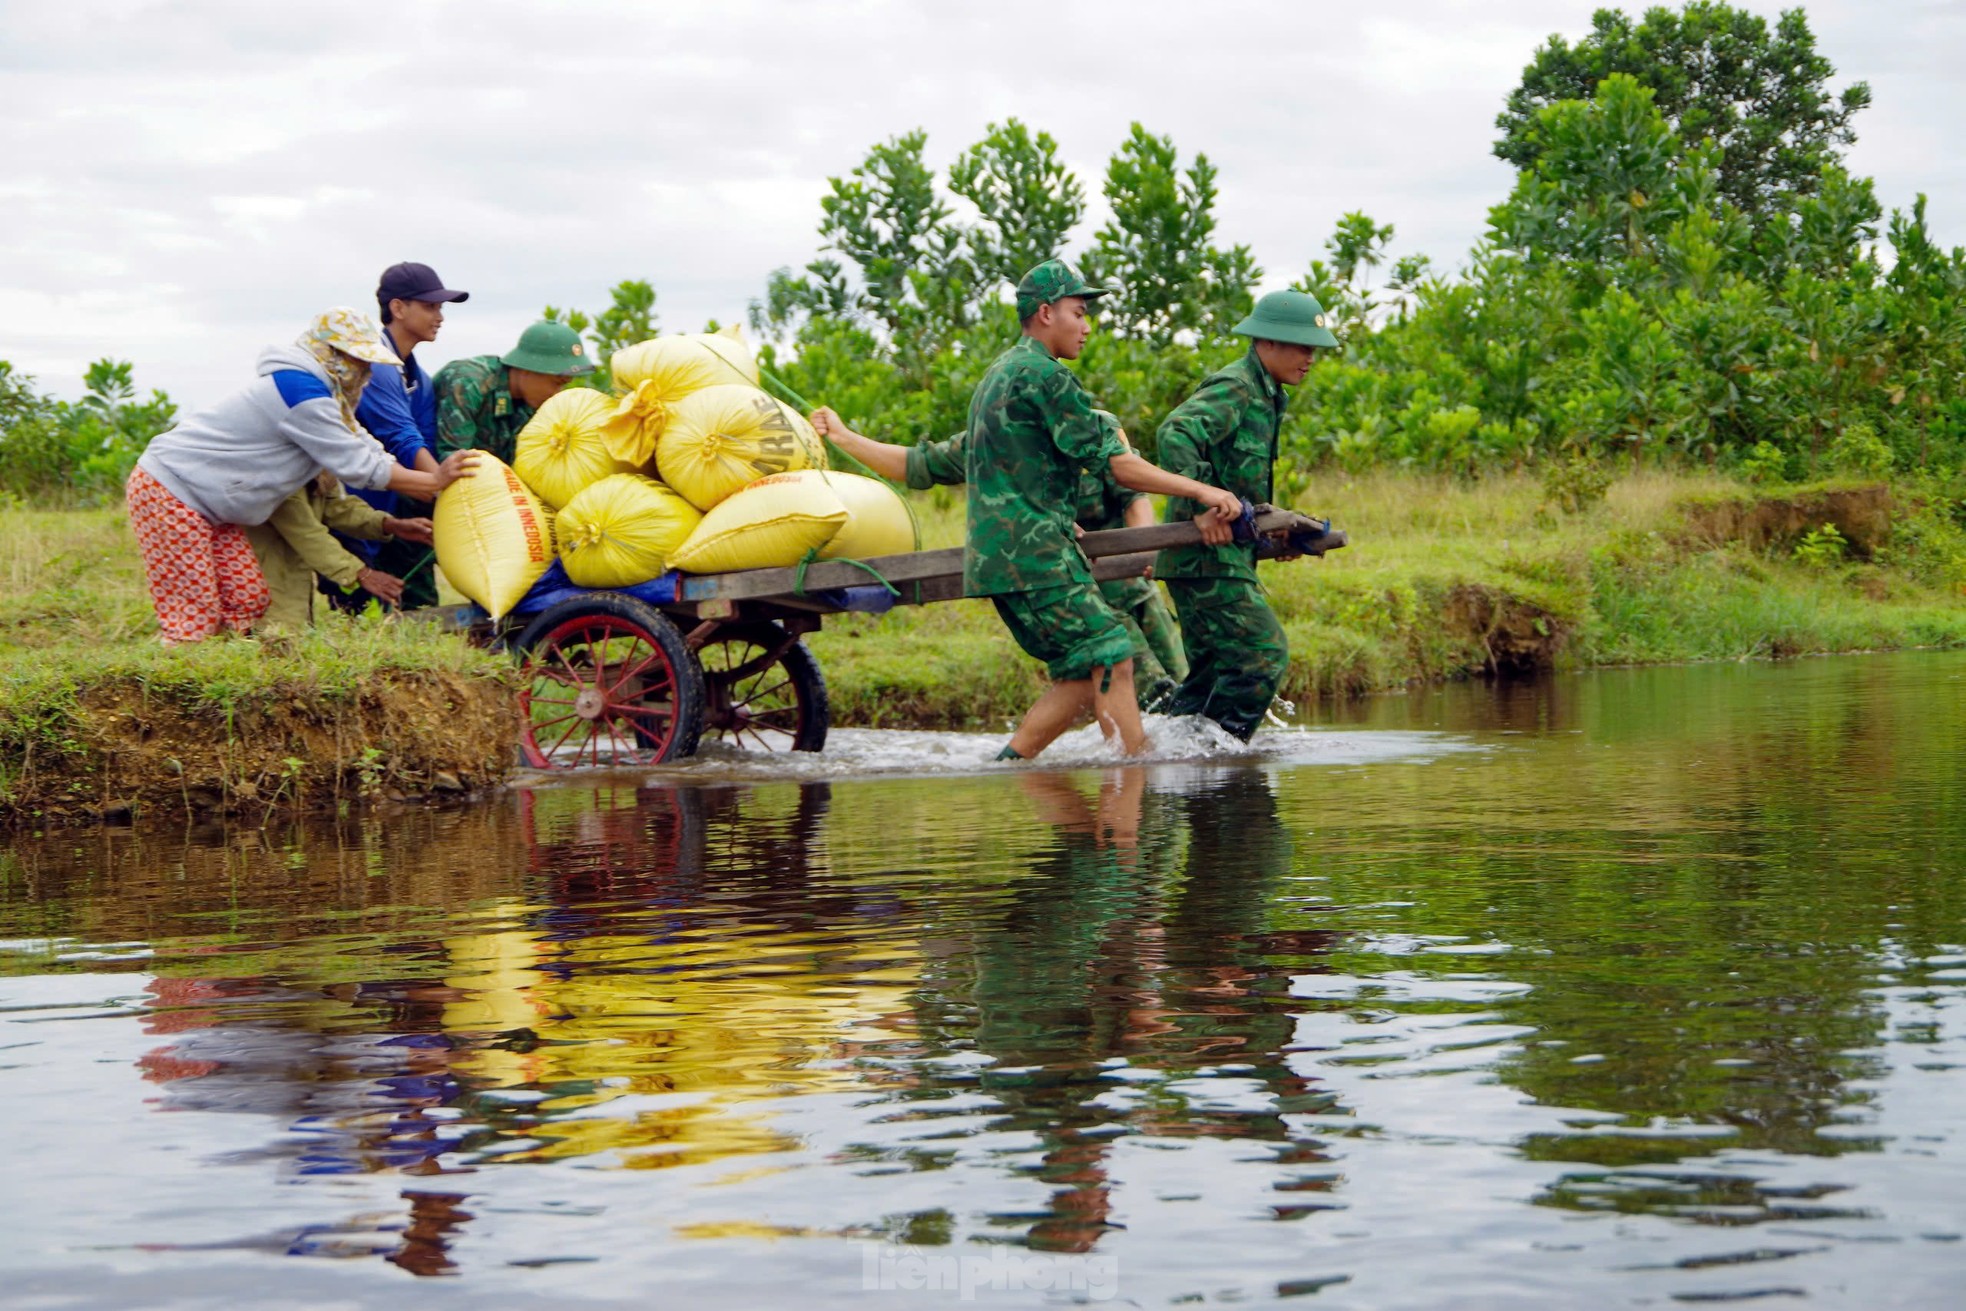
414	282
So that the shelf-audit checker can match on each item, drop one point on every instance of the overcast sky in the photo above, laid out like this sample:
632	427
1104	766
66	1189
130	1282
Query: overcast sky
183	183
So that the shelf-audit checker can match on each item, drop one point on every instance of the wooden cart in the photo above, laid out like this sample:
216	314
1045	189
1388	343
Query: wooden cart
641	675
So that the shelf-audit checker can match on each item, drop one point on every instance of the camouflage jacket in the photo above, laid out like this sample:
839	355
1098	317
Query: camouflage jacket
1224	434
1100	501
1031	429
476	410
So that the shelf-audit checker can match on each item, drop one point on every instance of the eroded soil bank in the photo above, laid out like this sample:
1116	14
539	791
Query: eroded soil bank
121	749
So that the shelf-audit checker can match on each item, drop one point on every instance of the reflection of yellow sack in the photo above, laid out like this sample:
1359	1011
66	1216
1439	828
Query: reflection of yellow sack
770	524
561	449
721	438
622	531
651	376
877	519
494	538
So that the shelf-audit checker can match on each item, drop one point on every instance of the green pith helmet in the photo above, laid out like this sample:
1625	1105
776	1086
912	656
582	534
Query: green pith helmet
1051	281
550	348
1292	316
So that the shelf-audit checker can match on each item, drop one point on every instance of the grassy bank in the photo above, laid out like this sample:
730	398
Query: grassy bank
96	718
1444	579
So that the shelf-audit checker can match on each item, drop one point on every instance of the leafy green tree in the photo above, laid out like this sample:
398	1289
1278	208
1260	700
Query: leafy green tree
629	318
1158	247
1608	182
1761	97
1028	200
66	453
1358	244
914	282
1356	247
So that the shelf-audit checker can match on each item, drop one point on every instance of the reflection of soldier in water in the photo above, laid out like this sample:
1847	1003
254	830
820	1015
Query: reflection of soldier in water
1225	1000
1102	954
1054	983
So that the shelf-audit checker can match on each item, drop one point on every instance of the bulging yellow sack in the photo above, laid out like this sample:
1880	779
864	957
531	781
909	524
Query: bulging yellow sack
723	438
651	376
769	525
877	519
494	538
623	530
561	450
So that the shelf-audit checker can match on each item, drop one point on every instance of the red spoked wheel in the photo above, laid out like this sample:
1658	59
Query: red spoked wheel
607	681
763	690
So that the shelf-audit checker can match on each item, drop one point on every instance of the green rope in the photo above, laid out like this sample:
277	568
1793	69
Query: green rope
428	556
805	562
766	375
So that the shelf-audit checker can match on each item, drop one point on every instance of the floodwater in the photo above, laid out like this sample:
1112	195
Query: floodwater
1643	988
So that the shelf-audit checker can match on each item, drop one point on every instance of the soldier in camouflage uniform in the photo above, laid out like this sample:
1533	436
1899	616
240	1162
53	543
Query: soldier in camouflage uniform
1226	432
1101	504
483	400
1031	430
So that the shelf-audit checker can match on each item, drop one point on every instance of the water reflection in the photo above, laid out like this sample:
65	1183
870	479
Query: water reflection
1652	957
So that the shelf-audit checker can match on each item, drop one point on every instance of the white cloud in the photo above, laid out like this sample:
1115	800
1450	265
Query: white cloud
188	181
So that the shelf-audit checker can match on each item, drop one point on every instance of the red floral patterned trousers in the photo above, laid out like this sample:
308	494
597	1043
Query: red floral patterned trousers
203	577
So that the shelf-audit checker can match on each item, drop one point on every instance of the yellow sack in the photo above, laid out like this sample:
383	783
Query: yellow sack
494	538
877	519
770	524
622	531
561	449
651	376
723	438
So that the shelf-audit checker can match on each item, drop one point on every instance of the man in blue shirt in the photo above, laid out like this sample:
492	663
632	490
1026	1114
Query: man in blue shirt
399	408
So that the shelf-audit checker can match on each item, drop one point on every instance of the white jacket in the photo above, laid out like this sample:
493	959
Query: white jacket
234	462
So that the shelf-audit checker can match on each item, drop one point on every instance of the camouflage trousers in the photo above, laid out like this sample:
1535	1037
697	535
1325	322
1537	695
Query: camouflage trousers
1236	652
1158	659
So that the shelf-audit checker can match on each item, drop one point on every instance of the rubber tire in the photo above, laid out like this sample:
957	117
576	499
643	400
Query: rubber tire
801	668
636	619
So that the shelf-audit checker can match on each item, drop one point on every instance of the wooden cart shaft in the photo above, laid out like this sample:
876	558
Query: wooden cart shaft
922	577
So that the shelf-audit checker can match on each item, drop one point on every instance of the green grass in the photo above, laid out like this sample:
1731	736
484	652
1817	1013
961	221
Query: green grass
81	666
74	612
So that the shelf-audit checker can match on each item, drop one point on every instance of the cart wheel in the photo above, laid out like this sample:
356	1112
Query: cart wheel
763	689
608	681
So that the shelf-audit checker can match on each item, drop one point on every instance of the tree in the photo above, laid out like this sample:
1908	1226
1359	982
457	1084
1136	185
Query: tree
1358	243
1029	201
1157	246
1719	75
62	452
1608	183
629	318
916	283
